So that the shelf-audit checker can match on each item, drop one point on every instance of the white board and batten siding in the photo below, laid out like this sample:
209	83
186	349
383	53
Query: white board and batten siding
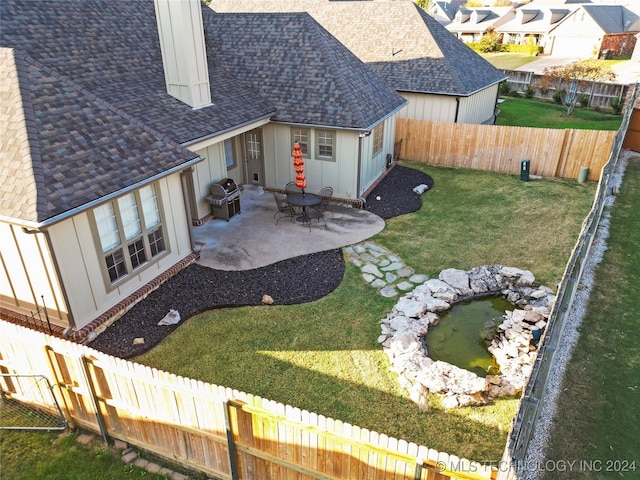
80	260
340	173
476	108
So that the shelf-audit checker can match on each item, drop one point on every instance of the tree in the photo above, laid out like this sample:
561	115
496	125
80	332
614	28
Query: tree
574	79
423	4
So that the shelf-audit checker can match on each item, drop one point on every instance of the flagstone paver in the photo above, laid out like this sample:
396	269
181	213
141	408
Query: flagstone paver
382	269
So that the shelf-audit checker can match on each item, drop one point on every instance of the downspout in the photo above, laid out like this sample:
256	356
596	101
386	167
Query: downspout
187	204
457	109
361	136
72	324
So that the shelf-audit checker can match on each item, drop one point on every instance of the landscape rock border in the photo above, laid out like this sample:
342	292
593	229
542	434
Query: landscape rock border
514	346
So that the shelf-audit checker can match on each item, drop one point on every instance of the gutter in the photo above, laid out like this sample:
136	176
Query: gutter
361	137
450	94
56	267
352	129
98	201
227	130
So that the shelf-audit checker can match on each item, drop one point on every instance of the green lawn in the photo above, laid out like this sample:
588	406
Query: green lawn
29	455
323	356
597	415
508	61
531	112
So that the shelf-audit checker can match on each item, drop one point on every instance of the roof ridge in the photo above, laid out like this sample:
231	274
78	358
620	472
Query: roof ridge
31	160
333	62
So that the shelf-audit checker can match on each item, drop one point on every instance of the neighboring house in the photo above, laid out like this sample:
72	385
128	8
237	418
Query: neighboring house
469	24
442	78
597	30
444	11
117	116
533	22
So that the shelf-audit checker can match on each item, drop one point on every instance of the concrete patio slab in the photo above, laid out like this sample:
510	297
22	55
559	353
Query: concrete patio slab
252	239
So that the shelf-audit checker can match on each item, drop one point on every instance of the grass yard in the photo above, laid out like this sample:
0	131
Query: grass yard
324	357
597	413
29	455
531	112
507	60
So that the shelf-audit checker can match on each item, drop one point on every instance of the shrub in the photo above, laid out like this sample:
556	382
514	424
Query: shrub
529	91
504	88
558	95
617	104
530	49
584	100
490	42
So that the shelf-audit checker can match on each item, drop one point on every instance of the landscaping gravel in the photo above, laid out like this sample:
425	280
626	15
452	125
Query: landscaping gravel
296	280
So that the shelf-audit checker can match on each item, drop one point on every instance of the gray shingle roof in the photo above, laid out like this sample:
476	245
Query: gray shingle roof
100	119
428	58
300	68
613	18
70	147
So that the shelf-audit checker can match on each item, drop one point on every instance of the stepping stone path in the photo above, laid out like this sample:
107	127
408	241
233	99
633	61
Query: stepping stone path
383	270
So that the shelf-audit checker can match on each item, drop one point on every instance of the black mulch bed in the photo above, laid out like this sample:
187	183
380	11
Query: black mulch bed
396	193
296	280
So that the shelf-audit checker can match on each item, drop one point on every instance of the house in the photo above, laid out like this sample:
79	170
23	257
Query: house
470	24
444	11
118	115
533	22
597	30
442	79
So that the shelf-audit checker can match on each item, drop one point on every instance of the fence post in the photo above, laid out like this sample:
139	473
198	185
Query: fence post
231	446
93	397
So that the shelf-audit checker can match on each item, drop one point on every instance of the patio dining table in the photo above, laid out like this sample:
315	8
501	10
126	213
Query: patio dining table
303	200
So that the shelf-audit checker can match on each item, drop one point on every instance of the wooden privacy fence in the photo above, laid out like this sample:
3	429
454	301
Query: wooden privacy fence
600	93
553	153
222	432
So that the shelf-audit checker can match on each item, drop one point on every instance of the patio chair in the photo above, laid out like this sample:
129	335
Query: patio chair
325	194
284	208
292	188
314	213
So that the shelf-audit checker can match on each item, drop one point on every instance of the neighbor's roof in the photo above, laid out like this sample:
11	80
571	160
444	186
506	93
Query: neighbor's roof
89	81
532	20
397	40
614	18
478	20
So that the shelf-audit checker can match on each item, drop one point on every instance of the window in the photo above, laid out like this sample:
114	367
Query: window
325	145
378	137
130	231
301	136
230	153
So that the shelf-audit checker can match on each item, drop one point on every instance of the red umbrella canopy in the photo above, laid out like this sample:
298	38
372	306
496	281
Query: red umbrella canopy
298	166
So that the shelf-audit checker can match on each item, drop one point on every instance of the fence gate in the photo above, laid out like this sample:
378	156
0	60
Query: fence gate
632	138
27	403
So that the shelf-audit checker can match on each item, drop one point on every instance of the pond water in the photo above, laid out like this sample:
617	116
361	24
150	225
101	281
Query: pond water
457	338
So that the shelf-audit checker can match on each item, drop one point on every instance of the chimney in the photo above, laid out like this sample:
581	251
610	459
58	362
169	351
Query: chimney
184	55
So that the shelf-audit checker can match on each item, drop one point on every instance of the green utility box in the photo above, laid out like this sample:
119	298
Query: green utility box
524	170
584	172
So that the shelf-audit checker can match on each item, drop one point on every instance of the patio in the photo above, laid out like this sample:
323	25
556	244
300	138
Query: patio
252	239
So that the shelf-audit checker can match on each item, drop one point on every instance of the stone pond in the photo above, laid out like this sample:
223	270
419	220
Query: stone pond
514	344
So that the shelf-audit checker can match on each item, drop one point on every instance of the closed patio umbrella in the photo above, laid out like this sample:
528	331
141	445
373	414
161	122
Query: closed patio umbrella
298	166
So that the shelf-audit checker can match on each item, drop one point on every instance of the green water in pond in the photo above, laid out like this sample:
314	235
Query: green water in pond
456	339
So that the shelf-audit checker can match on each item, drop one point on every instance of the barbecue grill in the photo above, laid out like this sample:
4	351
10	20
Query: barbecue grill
224	198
